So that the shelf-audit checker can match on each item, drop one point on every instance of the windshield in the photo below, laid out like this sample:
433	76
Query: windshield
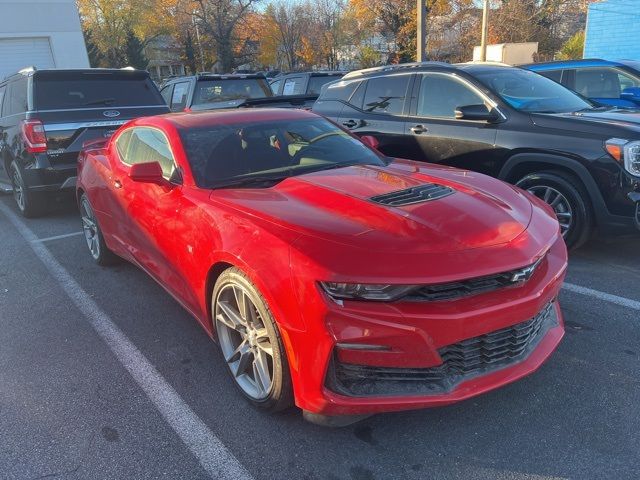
219	91
530	92
222	155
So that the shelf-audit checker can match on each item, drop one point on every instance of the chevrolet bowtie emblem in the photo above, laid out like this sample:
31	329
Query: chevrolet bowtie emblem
525	273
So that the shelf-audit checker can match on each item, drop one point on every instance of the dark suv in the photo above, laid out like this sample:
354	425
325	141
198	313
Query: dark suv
47	115
300	83
506	122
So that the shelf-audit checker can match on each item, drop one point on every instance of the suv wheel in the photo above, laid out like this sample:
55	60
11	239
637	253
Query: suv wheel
30	204
569	201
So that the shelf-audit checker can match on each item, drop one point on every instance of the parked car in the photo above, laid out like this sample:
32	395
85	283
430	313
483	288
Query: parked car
509	123
603	81
300	83
212	91
330	274
46	116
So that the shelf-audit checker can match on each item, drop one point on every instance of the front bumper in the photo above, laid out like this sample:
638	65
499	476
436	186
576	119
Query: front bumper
413	336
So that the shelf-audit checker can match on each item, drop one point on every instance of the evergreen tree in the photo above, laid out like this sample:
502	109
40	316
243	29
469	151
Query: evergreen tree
96	58
190	53
134	52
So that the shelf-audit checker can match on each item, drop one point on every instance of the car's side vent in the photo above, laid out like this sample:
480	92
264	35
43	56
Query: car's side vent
421	193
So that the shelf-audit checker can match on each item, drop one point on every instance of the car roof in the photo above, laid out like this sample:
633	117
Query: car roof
216	76
471	67
586	62
32	71
226	117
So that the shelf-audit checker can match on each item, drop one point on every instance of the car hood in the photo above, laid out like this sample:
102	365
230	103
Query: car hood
336	206
605	121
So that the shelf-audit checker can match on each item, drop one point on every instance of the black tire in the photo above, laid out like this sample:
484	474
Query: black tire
574	203
280	394
30	204
93	235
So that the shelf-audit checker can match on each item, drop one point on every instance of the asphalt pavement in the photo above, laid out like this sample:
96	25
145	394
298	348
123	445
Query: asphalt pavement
104	376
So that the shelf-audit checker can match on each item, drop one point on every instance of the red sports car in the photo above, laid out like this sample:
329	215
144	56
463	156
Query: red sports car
330	275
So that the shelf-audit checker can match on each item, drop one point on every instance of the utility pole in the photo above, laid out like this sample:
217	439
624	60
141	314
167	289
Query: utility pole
485	31
421	54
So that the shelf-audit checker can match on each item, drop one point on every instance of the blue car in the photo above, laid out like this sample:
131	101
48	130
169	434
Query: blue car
607	82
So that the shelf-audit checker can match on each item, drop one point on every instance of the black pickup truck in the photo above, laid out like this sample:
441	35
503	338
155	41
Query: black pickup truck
47	115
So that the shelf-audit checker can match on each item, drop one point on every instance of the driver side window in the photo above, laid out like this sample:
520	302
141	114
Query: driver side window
146	144
440	95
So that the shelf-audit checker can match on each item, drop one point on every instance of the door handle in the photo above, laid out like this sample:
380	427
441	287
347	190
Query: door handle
117	184
350	123
418	129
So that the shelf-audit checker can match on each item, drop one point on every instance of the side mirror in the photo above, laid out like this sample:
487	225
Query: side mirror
370	141
477	112
150	172
631	93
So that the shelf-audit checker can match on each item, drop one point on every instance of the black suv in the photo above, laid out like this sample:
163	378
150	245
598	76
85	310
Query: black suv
300	83
507	122
211	91
46	116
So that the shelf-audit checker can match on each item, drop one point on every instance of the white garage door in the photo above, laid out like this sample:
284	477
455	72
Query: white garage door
18	53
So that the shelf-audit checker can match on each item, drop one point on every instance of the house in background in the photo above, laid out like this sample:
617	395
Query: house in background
40	33
613	30
164	56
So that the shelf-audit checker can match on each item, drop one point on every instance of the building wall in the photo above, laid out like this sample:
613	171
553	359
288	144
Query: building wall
56	20
613	30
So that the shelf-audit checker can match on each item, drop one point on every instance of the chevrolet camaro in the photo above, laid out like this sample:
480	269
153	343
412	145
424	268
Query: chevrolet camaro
330	276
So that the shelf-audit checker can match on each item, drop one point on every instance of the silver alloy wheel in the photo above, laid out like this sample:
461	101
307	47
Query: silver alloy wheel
244	340
90	228
18	188
558	202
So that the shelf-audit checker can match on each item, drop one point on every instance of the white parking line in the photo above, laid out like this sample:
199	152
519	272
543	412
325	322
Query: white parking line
59	237
212	454
607	297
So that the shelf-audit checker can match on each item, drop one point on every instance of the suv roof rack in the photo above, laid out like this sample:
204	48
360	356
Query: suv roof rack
399	66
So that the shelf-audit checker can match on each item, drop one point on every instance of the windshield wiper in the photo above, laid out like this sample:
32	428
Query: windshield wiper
102	101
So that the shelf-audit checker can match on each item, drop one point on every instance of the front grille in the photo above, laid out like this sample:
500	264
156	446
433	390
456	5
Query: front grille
473	286
460	361
408	196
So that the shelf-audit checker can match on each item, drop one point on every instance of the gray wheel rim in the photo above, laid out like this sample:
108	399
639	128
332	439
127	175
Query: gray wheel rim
18	188
90	228
558	202
244	340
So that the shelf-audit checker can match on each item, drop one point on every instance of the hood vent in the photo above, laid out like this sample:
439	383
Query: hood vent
421	193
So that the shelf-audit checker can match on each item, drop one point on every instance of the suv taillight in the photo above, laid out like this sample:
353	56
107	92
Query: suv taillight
35	139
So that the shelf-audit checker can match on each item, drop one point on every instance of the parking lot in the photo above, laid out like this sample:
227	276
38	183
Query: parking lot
104	375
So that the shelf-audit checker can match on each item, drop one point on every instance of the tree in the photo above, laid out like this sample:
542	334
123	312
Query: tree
368	57
572	48
189	55
134	52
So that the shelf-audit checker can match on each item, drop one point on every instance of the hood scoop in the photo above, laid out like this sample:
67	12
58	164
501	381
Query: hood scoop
409	196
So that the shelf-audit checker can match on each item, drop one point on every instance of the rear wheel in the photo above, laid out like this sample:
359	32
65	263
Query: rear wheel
250	342
93	235
30	204
569	201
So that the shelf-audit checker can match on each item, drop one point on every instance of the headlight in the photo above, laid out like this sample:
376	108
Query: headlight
363	291
627	152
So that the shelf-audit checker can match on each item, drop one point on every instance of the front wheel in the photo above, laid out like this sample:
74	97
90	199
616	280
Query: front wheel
250	342
568	199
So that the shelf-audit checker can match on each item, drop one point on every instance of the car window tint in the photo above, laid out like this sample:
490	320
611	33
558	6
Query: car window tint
316	83
17	101
179	96
150	145
275	86
122	143
627	81
552	74
2	90
440	95
229	90
357	97
293	86
166	94
341	90
600	82
386	94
